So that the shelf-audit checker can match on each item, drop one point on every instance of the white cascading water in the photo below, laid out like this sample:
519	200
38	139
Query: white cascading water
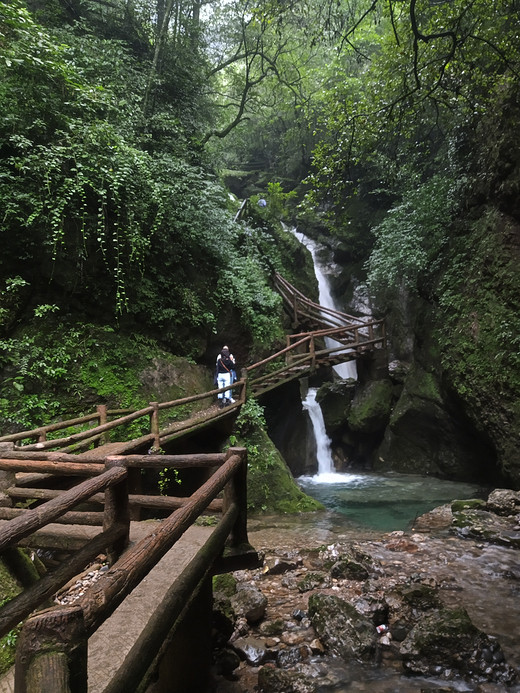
326	472
323	452
342	370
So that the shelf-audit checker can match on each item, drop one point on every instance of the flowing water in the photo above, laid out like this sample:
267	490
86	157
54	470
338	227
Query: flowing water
377	501
365	506
322	269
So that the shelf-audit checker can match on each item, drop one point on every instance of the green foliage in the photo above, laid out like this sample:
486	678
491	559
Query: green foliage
49	367
251	416
479	299
167	476
411	238
271	487
244	286
109	206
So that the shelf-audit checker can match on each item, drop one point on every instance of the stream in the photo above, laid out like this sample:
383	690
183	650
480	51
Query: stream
378	513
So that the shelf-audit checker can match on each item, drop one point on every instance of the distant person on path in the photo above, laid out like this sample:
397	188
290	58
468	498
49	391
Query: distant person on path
225	368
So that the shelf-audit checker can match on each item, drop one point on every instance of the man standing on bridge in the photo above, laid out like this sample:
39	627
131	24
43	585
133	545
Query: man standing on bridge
224	369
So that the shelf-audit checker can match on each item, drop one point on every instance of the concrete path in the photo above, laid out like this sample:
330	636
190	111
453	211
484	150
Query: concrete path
109	645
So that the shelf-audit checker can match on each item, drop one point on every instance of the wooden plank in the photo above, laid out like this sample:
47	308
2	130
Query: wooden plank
61	468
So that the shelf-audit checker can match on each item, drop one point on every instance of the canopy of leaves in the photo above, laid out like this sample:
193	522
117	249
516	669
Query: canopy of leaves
108	203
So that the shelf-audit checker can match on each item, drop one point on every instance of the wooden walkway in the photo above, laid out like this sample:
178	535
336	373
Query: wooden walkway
112	642
86	450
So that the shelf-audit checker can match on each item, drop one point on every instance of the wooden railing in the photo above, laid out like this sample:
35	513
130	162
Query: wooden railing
303	310
68	628
100	434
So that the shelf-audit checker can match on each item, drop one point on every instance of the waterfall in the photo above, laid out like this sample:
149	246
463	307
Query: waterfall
323	451
342	370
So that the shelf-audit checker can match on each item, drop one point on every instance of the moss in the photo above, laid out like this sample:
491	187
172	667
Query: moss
9	588
270	485
471	504
273	627
371	407
478	329
225	584
312	580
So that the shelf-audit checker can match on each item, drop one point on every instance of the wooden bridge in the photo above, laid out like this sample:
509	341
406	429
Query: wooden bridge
102	497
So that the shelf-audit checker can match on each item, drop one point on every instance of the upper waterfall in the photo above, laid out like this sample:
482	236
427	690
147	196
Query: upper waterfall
349	368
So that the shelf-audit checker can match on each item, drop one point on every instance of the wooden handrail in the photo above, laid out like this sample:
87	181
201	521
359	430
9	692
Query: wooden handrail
110	590
115	518
24	525
352	333
103	597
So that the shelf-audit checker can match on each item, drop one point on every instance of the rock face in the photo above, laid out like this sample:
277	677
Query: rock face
341	629
424	437
447	642
371	407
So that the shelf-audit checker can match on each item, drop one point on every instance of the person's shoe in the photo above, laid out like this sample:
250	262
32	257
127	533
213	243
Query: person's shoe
221	403
231	400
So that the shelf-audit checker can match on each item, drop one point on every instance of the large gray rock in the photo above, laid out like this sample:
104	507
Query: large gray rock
503	501
272	680
249	602
424	437
341	629
447	643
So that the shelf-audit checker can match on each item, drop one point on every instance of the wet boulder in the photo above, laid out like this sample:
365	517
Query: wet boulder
447	643
271	680
486	526
334	399
313	580
249	602
371	407
348	569
503	501
341	629
420	597
274	565
252	649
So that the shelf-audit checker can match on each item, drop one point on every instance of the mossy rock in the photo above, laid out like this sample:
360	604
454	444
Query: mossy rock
448	641
341	629
420	597
225	584
348	569
371	407
470	504
9	588
334	400
271	487
313	580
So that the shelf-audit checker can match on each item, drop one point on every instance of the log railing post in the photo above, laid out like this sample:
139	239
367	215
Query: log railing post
154	425
235	491
102	420
51	653
312	351
117	510
243	391
7	479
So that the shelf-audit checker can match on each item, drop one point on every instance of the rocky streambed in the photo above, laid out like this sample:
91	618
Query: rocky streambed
433	609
